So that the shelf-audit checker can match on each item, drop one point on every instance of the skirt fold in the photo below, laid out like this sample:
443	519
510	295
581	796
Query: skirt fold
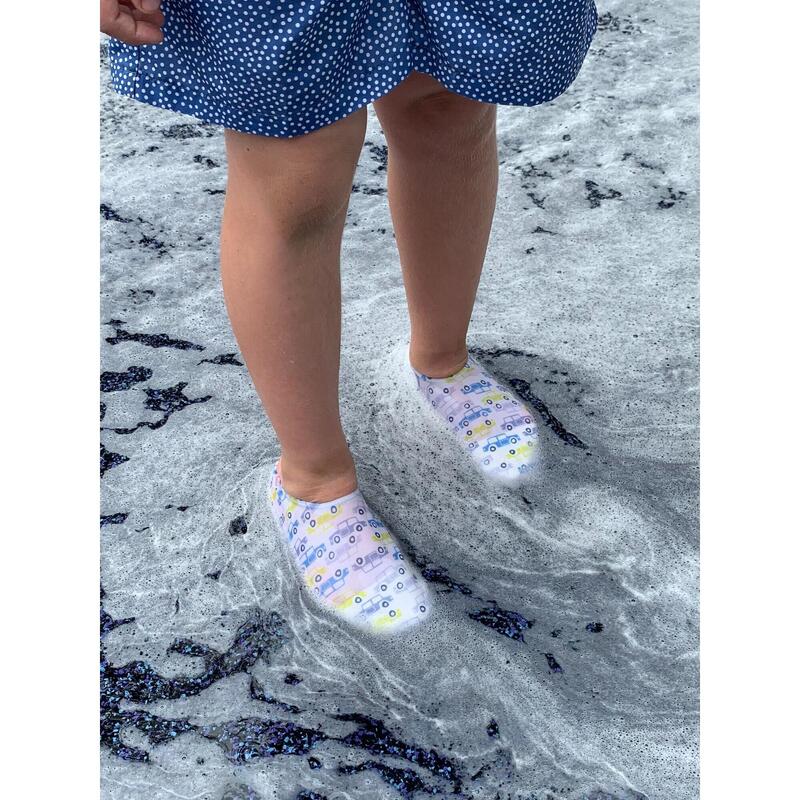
288	67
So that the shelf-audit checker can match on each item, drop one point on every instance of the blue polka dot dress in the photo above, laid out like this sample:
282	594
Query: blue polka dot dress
287	67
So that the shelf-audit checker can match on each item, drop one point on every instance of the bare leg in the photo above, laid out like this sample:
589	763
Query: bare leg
442	190
281	235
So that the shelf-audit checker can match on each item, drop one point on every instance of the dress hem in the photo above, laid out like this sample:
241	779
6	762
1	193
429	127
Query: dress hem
150	90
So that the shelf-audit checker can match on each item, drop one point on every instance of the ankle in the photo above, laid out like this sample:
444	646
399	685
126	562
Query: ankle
436	363
318	481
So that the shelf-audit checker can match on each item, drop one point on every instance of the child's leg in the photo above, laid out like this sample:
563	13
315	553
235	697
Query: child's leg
281	234
442	188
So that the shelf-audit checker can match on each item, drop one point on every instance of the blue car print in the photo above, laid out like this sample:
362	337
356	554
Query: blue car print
348	526
476	388
493	442
371	560
375	604
471	416
335	582
512	420
313	555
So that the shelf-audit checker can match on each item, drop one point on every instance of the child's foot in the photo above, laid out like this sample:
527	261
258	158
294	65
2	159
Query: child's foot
349	560
489	420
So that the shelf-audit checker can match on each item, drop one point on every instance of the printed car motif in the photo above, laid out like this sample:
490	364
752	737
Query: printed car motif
500	440
312	555
345	548
349	525
478	387
370	561
472	415
514	420
332	584
374	604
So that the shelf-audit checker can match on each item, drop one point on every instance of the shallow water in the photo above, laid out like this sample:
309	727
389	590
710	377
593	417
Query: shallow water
561	658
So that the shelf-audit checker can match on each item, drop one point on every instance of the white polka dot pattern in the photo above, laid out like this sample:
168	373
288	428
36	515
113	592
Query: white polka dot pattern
287	67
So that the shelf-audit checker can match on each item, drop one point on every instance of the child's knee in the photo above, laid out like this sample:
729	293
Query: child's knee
307	214
294	189
297	213
439	120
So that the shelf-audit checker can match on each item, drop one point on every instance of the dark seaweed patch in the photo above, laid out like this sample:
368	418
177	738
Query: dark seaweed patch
439	575
436	574
151	243
148	294
643	164
257	637
151	149
109	460
373	736
167	401
257	692
379	153
182	130
121	381
106	212
209	163
479	773
509	623
157	730
405	781
108	623
611	22
595	196
151	339
112	519
594	627
225	358
552	663
531	173
245	739
307	794
368	190
671	198
238	526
